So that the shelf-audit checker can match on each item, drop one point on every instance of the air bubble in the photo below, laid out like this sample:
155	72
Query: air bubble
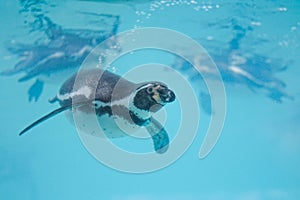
282	9
209	38
293	28
197	8
256	23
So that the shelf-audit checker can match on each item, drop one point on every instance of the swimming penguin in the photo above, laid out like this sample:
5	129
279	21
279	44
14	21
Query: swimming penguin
114	100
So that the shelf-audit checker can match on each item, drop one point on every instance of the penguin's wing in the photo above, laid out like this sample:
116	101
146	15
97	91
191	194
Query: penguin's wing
49	115
159	136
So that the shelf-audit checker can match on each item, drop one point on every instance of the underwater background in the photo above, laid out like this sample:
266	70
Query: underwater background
256	47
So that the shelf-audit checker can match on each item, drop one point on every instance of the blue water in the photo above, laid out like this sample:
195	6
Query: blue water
255	46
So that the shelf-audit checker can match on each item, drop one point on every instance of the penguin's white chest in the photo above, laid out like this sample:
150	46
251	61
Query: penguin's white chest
110	126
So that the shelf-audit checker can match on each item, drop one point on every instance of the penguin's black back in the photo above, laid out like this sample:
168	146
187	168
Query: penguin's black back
102	84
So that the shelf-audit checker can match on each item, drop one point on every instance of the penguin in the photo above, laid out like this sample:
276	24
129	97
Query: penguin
116	102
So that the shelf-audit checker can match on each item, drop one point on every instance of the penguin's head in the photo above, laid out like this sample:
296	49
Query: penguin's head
153	96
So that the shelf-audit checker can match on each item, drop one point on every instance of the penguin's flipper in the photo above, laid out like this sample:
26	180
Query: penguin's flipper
49	115
159	136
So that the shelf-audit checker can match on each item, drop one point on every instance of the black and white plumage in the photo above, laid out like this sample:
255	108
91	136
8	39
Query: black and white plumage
121	106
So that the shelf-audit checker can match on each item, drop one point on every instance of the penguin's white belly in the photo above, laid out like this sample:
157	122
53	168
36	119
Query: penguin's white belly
101	126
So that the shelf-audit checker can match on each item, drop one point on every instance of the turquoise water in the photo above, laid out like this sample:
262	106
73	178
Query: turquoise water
257	155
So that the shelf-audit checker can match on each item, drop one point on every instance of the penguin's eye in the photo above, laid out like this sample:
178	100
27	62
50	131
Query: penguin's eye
96	104
150	90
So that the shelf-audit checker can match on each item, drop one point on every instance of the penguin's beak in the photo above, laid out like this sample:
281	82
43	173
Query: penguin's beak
162	95
166	95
